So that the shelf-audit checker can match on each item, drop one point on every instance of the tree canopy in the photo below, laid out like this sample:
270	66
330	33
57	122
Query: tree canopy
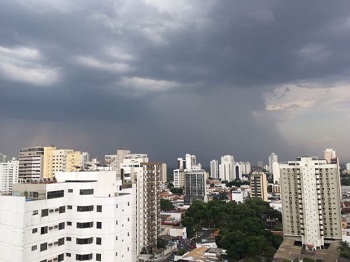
242	227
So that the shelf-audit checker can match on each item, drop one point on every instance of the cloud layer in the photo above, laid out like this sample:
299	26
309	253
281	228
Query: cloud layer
171	77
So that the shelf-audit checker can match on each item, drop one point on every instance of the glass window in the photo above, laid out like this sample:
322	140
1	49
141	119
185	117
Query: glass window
44	212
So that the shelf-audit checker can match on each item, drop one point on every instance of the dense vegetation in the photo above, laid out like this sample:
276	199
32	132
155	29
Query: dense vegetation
344	250
242	227
166	205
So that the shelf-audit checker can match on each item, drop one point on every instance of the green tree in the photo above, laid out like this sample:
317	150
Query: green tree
166	205
177	190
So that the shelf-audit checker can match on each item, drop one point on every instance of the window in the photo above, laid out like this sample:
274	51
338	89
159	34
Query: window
43	230
99	208
35	212
116	238
44	212
98	224
83	257
84	241
98	257
34	230
85	208
68	255
116	222
43	247
61	257
98	241
61	226
55	194
61	241
84	225
62	209
34	248
69	223
68	239
116	206
70	190
69	207
86	191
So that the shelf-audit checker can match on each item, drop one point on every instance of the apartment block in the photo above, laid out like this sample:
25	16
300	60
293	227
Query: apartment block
195	186
8	176
81	216
258	184
310	190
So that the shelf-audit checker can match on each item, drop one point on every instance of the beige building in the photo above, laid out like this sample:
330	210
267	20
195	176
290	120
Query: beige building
258	184
37	163
311	202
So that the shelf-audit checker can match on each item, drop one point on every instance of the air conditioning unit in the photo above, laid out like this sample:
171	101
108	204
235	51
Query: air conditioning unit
51	210
56	226
55	259
50	244
50	228
55	243
56	210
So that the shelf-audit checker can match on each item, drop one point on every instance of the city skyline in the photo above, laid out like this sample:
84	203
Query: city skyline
168	78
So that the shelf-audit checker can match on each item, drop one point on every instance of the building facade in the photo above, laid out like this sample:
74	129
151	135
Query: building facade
214	169
310	190
226	168
195	186
258	184
82	216
8	176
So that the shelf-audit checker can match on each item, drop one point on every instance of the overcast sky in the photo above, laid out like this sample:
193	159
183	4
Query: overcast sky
166	77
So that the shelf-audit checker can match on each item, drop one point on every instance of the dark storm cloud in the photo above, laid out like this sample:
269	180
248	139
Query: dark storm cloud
165	76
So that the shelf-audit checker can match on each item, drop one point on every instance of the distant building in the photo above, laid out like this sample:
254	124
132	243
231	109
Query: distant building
273	158
214	169
37	163
163	173
329	155
276	174
226	168
195	186
239	196
179	177
8	176
3	158
310	190
258	184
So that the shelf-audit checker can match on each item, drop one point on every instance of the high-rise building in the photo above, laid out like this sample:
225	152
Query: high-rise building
8	176
214	169
37	163
85	216
329	154
226	168
3	158
258	184
195	186
179	177
272	159
85	158
163	173
114	161
144	177
310	190
276	174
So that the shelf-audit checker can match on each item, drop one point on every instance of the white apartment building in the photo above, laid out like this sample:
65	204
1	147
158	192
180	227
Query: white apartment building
8	176
2	158
214	169
272	159
310	190
276	174
82	216
226	168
